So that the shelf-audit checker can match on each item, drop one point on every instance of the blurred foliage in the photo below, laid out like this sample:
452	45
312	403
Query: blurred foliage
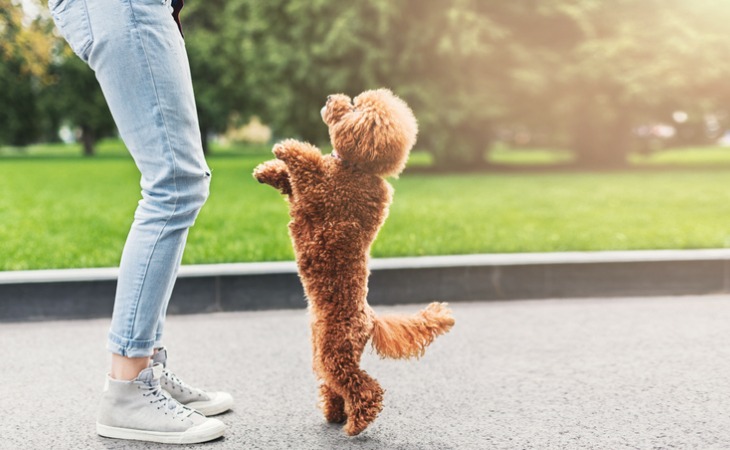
24	57
75	98
217	65
27	41
17	103
43	84
576	74
622	64
583	73
427	51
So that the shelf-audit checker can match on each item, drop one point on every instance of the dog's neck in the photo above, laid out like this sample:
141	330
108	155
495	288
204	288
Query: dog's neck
350	165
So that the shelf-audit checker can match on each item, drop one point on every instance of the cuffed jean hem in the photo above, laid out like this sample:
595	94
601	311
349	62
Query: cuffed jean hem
131	348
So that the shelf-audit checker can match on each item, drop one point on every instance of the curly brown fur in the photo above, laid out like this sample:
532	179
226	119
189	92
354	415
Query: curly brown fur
337	204
408	336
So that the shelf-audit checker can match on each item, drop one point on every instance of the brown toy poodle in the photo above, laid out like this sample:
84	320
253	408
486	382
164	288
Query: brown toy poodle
337	205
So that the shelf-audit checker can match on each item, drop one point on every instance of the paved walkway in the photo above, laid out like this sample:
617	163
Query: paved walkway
563	374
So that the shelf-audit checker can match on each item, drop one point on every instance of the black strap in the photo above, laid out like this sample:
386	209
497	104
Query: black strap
177	6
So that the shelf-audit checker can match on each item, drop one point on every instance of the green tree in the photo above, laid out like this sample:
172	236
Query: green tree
298	52
28	41
18	111
442	56
216	63
584	72
24	57
616	65
75	98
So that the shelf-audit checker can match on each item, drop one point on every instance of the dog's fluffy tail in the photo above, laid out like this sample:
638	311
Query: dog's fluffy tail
405	337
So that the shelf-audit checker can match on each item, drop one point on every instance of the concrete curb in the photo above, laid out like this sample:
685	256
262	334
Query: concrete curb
87	293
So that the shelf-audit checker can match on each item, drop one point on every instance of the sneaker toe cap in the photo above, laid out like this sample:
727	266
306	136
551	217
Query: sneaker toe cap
218	402
208	429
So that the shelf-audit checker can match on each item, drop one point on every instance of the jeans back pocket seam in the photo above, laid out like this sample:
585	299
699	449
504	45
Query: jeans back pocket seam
81	37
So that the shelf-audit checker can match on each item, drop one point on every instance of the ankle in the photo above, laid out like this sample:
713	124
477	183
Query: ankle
126	369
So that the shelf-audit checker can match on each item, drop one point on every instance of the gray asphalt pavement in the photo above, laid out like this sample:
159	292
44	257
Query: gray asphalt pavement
649	373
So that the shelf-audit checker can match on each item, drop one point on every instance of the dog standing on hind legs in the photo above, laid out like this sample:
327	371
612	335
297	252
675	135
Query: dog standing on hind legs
337	204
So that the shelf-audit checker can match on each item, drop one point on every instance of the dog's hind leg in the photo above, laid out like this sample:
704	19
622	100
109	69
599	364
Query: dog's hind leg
362	395
363	400
333	405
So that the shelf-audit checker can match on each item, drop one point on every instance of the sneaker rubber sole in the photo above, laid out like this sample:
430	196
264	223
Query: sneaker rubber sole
207	431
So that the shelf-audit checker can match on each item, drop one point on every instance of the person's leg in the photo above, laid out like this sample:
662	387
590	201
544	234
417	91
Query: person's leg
141	64
138	55
125	368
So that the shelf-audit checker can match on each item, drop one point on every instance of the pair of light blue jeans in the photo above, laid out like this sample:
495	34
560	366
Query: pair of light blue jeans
138	55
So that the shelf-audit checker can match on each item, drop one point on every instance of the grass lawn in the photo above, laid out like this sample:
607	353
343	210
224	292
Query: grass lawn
503	155
66	211
687	157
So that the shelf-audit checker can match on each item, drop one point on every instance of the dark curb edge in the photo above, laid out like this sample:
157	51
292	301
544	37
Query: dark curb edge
89	293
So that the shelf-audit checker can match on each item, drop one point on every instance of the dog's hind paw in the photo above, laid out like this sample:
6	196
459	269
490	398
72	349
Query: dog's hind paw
335	414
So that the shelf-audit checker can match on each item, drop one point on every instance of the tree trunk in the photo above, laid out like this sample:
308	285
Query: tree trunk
88	139
465	148
599	143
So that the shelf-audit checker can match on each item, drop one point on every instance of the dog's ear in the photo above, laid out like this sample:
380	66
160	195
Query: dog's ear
377	134
337	106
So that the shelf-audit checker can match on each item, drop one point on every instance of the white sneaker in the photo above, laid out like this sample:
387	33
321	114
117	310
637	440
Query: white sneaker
207	403
141	410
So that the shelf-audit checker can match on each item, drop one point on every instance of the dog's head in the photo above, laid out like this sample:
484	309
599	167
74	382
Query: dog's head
375	132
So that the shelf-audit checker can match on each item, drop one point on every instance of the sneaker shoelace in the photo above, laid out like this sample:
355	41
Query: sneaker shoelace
176	409
177	382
